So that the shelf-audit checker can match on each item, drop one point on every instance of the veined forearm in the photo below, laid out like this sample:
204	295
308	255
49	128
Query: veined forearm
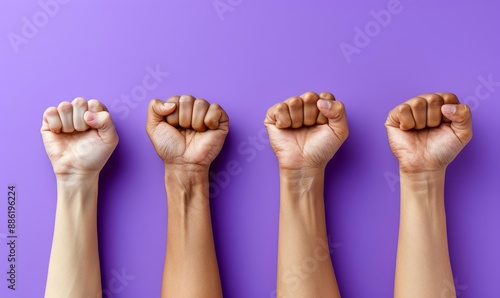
74	257
302	202
423	265
303	238
191	268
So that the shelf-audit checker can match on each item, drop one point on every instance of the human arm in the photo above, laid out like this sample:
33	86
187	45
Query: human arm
79	138
305	132
188	134
425	133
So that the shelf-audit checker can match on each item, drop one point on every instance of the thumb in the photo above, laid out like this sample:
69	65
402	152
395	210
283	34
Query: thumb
461	120
335	112
157	111
104	124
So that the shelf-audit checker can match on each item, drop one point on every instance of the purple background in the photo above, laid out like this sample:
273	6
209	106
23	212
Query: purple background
247	59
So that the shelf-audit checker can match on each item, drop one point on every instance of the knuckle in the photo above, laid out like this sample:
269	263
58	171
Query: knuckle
450	95
295	102
327	95
435	99
281	108
402	108
310	97
79	102
215	106
201	102
186	98
65	106
419	103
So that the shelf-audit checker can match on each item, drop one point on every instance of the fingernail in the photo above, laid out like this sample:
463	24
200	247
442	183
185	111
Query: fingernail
324	104
168	105
449	109
90	116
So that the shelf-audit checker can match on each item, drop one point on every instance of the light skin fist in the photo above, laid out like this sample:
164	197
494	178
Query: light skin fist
79	137
305	132
427	132
187	131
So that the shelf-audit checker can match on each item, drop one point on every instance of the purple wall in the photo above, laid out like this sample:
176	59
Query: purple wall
247	57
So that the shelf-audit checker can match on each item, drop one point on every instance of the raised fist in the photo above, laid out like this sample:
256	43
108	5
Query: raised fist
427	132
187	131
79	137
306	131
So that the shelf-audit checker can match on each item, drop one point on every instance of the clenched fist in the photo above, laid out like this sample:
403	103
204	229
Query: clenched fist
427	132
306	131
187	131
79	137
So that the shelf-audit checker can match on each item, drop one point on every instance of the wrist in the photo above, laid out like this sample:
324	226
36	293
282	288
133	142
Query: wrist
301	173
187	189
77	193
188	169
186	177
77	180
419	176
301	184
422	186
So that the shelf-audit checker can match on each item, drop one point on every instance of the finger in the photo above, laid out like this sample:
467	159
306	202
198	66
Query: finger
321	119
104	124
185	110
449	98
173	118
311	111
401	117
327	96
461	120
65	110
157	111
419	110
434	115
96	106
51	120
337	118
80	106
216	117
279	116
296	109
200	108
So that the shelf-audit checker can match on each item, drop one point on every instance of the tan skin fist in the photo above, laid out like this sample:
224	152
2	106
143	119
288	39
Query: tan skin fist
305	132
79	137
187	131
427	132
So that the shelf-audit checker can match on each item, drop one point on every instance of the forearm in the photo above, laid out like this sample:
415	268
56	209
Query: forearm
191	268
304	264
74	261
423	265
